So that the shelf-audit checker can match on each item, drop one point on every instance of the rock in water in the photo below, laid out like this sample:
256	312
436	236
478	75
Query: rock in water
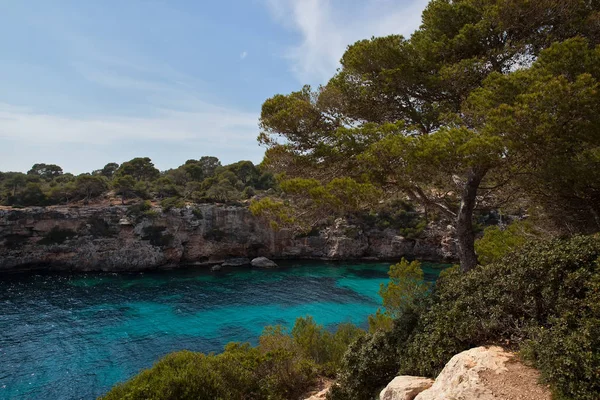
215	268
405	388
263	262
236	262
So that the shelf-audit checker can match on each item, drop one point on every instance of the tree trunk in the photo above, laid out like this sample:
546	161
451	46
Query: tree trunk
464	221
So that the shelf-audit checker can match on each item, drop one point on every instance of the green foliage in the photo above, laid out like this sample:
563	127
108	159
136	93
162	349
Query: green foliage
485	99
277	212
31	195
141	169
224	190
380	321
90	186
248	193
172	202
321	346
165	187
239	372
45	171
405	289
138	211
124	185
497	242
282	367
542	299
371	362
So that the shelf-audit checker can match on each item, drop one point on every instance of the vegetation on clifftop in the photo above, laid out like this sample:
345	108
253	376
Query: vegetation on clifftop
202	180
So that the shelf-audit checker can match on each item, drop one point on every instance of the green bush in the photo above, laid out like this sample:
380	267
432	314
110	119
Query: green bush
172	202
281	367
543	300
137	209
372	361
312	342
497	242
240	372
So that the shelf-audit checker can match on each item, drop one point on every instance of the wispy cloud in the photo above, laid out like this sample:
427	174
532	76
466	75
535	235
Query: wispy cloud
209	123
327	27
164	111
244	54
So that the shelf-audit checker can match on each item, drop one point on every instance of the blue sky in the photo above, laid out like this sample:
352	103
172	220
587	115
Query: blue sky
87	82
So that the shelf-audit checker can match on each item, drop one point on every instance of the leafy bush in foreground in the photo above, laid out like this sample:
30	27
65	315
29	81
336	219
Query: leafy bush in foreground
543	300
283	366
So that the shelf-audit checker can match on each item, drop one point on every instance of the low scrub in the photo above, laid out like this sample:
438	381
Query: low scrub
281	367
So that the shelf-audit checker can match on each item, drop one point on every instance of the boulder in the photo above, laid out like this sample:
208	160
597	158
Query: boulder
215	268
405	388
463	377
483	373
236	262
263	262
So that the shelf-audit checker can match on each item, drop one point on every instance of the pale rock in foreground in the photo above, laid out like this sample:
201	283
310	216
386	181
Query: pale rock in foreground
483	373
405	388
322	395
263	262
460	377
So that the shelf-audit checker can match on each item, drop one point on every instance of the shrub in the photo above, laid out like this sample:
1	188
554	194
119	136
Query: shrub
137	209
497	242
240	372
372	361
172	202
312	342
543	299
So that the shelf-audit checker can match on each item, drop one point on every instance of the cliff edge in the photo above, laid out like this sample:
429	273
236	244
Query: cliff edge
117	238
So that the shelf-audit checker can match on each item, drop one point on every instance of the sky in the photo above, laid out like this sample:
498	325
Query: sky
84	83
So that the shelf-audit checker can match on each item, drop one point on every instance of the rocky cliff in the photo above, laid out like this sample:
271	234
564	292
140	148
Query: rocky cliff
114	238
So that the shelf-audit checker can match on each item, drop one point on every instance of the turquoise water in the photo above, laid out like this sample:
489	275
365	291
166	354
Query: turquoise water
74	336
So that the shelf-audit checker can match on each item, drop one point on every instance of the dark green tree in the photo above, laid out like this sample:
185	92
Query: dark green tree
89	186
408	116
45	171
124	186
140	168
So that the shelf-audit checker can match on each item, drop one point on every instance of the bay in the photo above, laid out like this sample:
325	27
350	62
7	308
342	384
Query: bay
73	336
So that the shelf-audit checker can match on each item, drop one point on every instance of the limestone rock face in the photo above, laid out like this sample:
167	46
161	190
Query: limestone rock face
263	262
405	388
110	238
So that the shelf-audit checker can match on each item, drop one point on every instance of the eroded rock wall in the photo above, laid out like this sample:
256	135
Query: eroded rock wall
111	239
